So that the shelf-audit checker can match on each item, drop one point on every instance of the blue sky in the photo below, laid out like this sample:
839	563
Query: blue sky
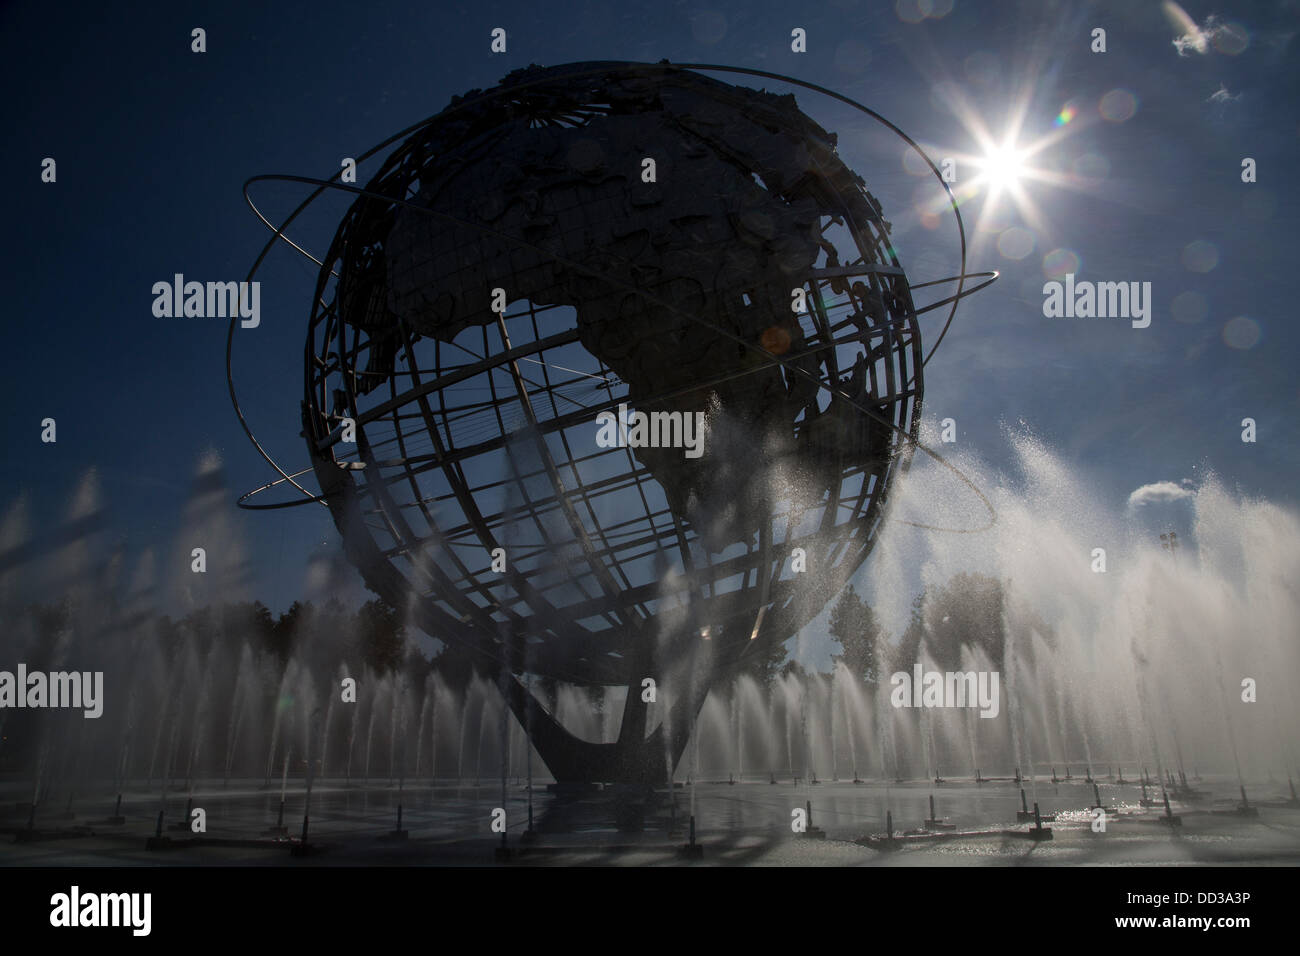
1142	183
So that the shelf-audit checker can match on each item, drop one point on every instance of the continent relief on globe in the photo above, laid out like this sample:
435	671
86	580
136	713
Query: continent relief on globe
706	240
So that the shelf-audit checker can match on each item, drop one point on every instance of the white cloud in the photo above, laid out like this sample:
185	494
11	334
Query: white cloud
1161	491
1190	37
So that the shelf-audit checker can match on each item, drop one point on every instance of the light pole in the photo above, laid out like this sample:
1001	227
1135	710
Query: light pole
1169	542
303	846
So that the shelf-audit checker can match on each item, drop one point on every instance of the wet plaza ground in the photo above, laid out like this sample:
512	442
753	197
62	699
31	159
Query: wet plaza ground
449	823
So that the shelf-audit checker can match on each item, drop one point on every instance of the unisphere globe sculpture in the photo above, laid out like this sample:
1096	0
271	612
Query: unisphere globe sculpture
630	364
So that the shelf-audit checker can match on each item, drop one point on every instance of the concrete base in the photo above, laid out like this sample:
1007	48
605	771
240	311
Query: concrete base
1237	812
1037	834
1027	816
577	788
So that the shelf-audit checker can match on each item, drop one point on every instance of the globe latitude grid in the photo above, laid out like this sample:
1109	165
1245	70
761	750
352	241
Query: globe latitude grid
476	430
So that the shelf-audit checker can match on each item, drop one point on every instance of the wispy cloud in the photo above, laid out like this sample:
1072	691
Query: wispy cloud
1221	95
1190	37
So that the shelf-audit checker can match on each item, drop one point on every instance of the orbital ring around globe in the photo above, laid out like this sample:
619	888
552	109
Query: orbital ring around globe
769	359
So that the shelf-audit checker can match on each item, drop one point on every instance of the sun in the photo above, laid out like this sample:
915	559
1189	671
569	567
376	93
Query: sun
1005	171
1009	168
1002	167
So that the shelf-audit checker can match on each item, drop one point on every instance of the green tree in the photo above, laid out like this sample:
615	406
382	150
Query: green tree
967	612
909	648
456	665
381	636
763	662
288	630
792	668
853	624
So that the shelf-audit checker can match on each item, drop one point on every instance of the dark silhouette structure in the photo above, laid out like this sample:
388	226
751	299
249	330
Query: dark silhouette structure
652	235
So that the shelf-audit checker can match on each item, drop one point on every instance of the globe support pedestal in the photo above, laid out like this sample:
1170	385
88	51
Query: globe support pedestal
635	759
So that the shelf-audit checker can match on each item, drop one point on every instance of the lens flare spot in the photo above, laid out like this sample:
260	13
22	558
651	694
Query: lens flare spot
1059	263
775	340
1118	105
1200	256
1016	243
909	11
1231	38
1241	332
